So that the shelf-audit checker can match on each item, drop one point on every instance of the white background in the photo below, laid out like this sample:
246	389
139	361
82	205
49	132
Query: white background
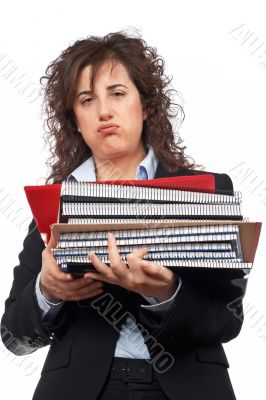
223	86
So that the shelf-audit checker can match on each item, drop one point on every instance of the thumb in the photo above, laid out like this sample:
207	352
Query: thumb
135	257
140	252
51	244
152	268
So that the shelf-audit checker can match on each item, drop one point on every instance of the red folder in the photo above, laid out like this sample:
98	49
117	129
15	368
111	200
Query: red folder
44	200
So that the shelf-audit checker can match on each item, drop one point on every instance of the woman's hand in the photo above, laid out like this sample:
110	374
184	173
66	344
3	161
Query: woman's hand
144	277
57	285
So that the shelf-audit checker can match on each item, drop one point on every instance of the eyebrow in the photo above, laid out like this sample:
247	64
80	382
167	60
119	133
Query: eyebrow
108	88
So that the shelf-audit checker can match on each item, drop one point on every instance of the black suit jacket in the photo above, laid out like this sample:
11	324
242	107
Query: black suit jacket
83	342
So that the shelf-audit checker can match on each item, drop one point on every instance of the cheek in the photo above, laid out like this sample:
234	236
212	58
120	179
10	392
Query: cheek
138	108
83	119
82	115
87	128
134	110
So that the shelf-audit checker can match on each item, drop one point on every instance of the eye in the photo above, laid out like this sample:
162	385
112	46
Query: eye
118	94
88	100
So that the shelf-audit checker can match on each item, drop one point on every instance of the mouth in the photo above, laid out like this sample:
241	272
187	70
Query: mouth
109	129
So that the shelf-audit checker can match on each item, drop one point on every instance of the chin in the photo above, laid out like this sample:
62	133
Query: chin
116	151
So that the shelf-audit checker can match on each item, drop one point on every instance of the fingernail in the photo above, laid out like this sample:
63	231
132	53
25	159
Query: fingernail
145	263
110	236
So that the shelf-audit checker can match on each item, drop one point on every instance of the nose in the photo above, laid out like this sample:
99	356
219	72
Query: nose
105	111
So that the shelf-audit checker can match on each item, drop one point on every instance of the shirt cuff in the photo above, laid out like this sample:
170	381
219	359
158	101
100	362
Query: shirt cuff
164	305
44	304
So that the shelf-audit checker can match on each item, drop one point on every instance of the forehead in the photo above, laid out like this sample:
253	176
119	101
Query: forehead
107	73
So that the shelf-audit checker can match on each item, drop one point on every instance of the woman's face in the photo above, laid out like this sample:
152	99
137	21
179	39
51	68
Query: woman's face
115	101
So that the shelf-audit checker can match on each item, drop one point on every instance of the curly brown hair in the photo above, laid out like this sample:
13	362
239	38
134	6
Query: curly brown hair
146	70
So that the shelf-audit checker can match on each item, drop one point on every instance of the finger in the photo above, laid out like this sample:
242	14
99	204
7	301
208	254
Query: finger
76	286
53	269
79	284
113	251
104	272
140	252
118	266
51	244
94	276
156	270
56	273
84	293
134	258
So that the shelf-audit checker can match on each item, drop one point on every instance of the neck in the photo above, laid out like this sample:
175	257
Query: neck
119	169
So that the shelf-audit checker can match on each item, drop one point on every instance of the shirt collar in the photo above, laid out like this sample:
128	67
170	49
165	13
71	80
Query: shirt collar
149	164
86	171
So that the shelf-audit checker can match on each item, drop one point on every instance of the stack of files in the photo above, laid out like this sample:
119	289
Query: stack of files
181	228
185	244
105	203
44	200
183	221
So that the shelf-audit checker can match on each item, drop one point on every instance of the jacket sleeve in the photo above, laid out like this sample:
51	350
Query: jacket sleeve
22	328
202	311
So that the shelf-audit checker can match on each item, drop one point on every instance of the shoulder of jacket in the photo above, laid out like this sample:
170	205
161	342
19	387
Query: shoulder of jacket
222	180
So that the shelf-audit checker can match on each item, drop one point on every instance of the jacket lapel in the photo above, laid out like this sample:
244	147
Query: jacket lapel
161	172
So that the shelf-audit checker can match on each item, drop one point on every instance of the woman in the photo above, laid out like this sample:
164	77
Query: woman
109	111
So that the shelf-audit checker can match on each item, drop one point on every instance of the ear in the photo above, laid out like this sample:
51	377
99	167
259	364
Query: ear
76	122
144	113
